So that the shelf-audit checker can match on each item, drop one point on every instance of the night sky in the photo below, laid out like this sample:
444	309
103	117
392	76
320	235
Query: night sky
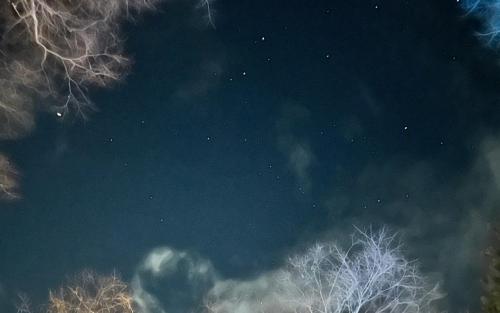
287	123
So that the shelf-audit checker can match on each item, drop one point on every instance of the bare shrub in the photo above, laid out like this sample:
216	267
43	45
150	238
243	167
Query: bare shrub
88	293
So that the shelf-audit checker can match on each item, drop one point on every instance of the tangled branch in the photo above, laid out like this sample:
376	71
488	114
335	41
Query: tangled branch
88	293
53	51
370	276
76	41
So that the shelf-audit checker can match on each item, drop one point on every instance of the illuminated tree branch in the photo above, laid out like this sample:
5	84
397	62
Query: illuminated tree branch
370	276
77	41
56	50
207	4
489	12
88	293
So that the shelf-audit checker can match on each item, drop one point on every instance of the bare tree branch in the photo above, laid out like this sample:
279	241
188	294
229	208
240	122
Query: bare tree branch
370	276
78	42
53	51
207	4
87	293
24	304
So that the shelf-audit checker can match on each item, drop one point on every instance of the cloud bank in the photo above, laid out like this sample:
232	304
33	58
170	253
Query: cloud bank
444	217
369	274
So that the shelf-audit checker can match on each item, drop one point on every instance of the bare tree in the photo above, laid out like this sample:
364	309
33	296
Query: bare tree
17	83
70	45
78	42
88	293
53	51
371	276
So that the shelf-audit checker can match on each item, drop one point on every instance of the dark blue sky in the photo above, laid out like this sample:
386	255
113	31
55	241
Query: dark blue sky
289	122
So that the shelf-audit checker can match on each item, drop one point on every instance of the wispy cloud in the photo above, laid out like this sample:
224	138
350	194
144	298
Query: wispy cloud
206	77
175	281
296	146
8	179
172	281
445	217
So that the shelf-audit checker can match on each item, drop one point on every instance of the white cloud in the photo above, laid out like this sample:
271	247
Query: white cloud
289	288
162	260
300	159
170	281
164	265
259	294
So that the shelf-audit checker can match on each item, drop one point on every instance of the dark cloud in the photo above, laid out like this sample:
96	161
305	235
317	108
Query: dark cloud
443	217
